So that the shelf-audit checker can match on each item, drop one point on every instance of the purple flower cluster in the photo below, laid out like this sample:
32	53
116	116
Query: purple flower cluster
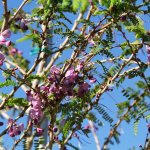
36	111
66	87
14	129
59	86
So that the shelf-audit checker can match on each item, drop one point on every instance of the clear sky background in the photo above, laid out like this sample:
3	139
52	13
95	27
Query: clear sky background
127	139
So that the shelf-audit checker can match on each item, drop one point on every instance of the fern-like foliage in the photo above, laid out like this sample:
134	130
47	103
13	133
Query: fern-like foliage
7	83
104	114
39	143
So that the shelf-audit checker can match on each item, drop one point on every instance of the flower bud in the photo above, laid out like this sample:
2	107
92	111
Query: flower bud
8	43
6	33
39	131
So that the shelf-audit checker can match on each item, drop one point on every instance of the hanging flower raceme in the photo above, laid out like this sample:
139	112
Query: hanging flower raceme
14	129
36	111
67	87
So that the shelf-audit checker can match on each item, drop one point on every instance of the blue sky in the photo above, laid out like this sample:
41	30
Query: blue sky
127	139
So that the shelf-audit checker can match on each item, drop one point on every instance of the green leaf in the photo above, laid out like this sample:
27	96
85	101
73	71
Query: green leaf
7	83
17	101
84	6
115	2
136	123
76	4
26	37
33	37
140	84
105	3
147	116
32	77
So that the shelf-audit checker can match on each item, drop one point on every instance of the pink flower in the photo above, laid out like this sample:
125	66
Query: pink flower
3	36
10	121
13	51
36	104
54	70
2	39
79	67
87	127
19	52
71	76
36	114
92	79
14	129
55	129
91	42
45	88
83	88
21	126
69	72
39	131
6	33
8	43
2	58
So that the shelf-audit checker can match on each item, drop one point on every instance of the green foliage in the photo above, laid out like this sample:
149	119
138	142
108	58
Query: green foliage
136	25
38	142
66	129
76	4
80	4
66	4
93	118
99	38
24	143
104	114
110	3
7	83
116	137
136	123
12	101
33	77
84	5
17	101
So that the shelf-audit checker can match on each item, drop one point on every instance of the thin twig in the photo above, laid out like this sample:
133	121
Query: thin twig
18	10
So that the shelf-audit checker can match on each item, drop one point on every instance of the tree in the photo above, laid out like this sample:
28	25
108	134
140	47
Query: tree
77	62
